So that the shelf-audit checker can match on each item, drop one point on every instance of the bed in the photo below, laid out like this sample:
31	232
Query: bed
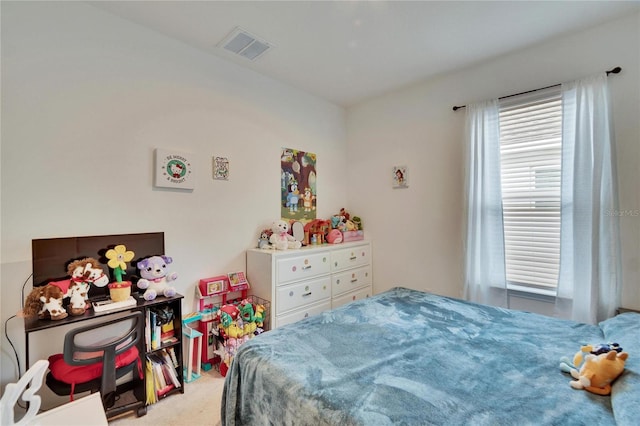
409	357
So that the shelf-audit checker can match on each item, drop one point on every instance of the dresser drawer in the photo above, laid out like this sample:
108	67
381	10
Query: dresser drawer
303	313
296	295
350	257
350	297
303	267
342	282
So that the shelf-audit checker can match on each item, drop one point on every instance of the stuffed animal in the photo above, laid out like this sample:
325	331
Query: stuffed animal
281	239
334	237
47	301
597	372
566	365
263	241
84	273
155	278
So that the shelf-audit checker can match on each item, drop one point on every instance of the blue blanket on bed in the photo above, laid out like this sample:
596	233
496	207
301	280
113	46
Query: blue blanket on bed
413	358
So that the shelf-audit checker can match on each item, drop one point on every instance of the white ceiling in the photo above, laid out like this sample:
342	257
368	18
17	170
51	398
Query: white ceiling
348	51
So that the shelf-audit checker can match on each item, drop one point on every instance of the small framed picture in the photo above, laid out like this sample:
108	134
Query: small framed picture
220	168
173	169
400	177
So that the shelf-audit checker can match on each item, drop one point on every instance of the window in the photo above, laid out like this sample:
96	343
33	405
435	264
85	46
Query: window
531	158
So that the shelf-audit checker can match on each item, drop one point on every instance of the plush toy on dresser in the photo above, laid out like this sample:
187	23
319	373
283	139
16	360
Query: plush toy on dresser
281	239
155	278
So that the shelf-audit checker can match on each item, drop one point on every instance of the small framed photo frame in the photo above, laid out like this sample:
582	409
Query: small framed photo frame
220	168
400	177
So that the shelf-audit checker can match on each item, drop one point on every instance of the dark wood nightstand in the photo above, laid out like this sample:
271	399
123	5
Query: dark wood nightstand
623	310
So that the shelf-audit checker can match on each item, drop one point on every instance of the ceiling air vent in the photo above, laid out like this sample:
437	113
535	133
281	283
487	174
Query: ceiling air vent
245	44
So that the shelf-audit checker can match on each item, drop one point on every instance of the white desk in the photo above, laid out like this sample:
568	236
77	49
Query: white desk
87	411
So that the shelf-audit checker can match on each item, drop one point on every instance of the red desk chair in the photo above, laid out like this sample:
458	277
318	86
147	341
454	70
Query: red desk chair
87	365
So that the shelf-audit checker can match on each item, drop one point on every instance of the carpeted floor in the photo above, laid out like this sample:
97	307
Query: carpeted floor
198	406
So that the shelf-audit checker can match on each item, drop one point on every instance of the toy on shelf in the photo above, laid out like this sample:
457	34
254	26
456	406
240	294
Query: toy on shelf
119	290
263	241
208	289
315	231
237	324
351	227
155	277
46	301
281	239
227	324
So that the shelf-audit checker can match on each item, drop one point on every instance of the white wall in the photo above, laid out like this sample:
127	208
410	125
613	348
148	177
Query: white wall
87	96
417	232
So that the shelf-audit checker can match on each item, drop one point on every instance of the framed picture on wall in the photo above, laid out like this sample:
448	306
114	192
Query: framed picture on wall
220	168
400	177
174	169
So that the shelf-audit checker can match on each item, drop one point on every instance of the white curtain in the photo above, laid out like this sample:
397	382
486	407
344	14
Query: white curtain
485	277
590	266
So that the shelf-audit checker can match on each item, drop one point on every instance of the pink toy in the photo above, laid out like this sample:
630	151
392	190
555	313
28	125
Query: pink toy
334	236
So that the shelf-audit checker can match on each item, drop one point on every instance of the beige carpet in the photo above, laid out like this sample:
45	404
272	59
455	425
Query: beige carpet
198	406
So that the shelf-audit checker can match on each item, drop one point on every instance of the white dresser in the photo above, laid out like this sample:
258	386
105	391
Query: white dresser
304	282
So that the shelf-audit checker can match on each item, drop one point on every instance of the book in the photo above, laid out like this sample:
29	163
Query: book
155	330
171	373
151	397
172	354
169	367
147	331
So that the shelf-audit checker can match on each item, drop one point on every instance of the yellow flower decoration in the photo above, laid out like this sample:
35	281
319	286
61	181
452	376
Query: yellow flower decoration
118	256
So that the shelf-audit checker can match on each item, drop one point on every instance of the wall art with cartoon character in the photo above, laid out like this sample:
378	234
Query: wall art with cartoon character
298	178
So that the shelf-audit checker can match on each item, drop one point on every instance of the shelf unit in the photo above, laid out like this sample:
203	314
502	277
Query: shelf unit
175	305
34	326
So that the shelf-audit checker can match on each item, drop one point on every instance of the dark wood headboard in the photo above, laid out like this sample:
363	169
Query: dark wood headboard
52	255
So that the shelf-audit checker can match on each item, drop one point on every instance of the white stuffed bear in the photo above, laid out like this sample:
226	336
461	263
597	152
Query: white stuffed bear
155	278
281	239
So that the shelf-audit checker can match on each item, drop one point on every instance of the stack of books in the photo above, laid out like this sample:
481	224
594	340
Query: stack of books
162	375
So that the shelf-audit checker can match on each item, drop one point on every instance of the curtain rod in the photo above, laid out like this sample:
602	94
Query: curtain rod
616	70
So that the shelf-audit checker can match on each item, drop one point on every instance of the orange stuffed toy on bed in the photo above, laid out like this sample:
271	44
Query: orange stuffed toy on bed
598	372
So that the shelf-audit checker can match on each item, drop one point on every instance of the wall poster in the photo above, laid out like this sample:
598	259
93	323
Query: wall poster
298	178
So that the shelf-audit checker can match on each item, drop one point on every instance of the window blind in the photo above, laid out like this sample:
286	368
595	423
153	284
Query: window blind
531	150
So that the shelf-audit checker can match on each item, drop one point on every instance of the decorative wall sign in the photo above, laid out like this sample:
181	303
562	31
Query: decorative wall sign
400	177
220	168
298	195
174	169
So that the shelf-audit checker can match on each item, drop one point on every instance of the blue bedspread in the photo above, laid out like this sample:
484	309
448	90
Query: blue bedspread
405	357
